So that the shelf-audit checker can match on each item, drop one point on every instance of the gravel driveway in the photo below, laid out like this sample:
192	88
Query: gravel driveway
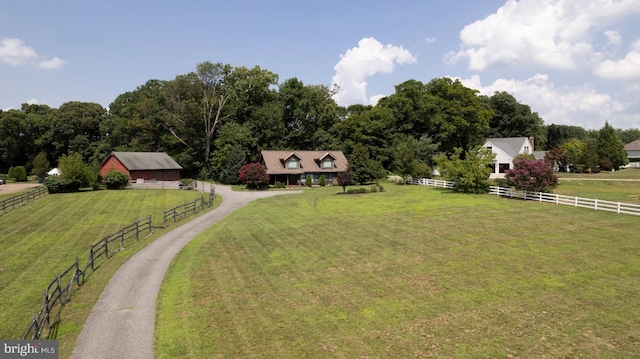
122	321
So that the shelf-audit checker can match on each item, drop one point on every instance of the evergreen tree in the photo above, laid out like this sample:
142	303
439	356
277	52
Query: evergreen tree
610	147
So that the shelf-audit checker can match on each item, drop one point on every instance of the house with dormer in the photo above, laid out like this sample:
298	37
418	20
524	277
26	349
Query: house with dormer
292	168
505	150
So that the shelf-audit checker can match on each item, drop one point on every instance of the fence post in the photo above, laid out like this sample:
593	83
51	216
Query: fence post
575	201
595	204
59	290
557	198
121	237
149	224
137	229
540	196
106	246
618	207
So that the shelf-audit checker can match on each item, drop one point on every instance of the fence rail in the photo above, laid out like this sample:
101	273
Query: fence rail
431	182
595	204
21	199
182	211
58	292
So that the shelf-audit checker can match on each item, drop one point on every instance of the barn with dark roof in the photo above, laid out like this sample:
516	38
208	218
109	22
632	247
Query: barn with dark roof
147	166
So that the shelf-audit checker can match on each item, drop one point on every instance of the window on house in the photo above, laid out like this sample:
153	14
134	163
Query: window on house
327	163
526	149
293	164
503	167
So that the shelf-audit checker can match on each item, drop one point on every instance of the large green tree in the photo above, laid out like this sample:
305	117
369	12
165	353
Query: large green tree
469	170
610	147
513	119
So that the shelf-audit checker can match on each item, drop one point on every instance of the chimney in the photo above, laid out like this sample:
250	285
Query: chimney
532	144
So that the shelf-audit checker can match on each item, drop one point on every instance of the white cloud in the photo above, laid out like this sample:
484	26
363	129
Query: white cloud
370	57
430	40
614	37
575	106
32	101
551	33
52	64
627	68
14	52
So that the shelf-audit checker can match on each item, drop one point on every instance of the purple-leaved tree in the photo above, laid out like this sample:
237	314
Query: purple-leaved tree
531	175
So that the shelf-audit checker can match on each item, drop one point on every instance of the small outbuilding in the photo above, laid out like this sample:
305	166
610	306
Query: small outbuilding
142	166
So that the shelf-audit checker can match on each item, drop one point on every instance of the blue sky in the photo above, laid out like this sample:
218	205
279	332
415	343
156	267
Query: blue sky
575	62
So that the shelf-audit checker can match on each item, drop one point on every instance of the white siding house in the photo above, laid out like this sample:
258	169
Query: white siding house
506	149
633	153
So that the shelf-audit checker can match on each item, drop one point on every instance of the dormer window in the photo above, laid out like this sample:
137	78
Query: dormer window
327	163
526	149
293	164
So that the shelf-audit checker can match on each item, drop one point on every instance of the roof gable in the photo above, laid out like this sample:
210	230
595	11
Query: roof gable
137	161
509	145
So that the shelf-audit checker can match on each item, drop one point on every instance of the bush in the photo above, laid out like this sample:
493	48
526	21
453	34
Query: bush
308	181
531	175
280	185
254	176
116	180
605	165
56	184
323	180
21	174
12	173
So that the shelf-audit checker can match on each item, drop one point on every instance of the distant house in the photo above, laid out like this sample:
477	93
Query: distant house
142	166
54	172
633	151
292	168
506	149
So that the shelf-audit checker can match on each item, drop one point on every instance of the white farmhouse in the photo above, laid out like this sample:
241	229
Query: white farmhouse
506	149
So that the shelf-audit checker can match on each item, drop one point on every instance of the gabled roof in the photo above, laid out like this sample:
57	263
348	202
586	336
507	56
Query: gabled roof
138	161
510	145
632	146
310	161
539	155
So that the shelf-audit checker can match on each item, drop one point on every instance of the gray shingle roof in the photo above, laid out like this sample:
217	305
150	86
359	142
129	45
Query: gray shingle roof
510	145
632	146
309	161
137	161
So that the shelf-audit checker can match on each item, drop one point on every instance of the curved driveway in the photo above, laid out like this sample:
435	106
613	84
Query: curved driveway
122	322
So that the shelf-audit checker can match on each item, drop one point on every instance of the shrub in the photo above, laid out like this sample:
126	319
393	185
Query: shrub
323	180
528	175
254	176
344	179
116	180
605	165
308	181
280	185
21	174
12	173
56	184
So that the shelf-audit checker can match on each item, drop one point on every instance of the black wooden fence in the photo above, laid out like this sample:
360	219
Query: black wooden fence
17	201
58	293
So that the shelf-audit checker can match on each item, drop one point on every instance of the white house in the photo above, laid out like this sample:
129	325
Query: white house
506	149
633	153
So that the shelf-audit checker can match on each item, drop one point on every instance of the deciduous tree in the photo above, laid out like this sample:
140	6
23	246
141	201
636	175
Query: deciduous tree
469	172
254	175
531	175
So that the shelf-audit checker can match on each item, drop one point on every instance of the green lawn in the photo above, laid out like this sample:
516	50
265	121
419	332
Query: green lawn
44	237
410	272
603	185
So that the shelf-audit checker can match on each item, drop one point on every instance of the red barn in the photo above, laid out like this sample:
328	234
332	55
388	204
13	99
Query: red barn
150	166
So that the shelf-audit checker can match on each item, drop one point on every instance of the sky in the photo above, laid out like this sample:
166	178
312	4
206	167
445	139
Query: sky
574	62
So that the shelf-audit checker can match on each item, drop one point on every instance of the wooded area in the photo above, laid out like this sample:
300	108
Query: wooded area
217	118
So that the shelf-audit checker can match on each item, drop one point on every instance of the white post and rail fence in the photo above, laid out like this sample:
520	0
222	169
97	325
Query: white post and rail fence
595	204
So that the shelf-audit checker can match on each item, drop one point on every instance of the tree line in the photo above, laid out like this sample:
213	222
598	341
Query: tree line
217	118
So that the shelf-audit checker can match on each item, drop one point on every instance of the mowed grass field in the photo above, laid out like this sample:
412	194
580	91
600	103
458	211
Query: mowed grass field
410	272
44	237
622	186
